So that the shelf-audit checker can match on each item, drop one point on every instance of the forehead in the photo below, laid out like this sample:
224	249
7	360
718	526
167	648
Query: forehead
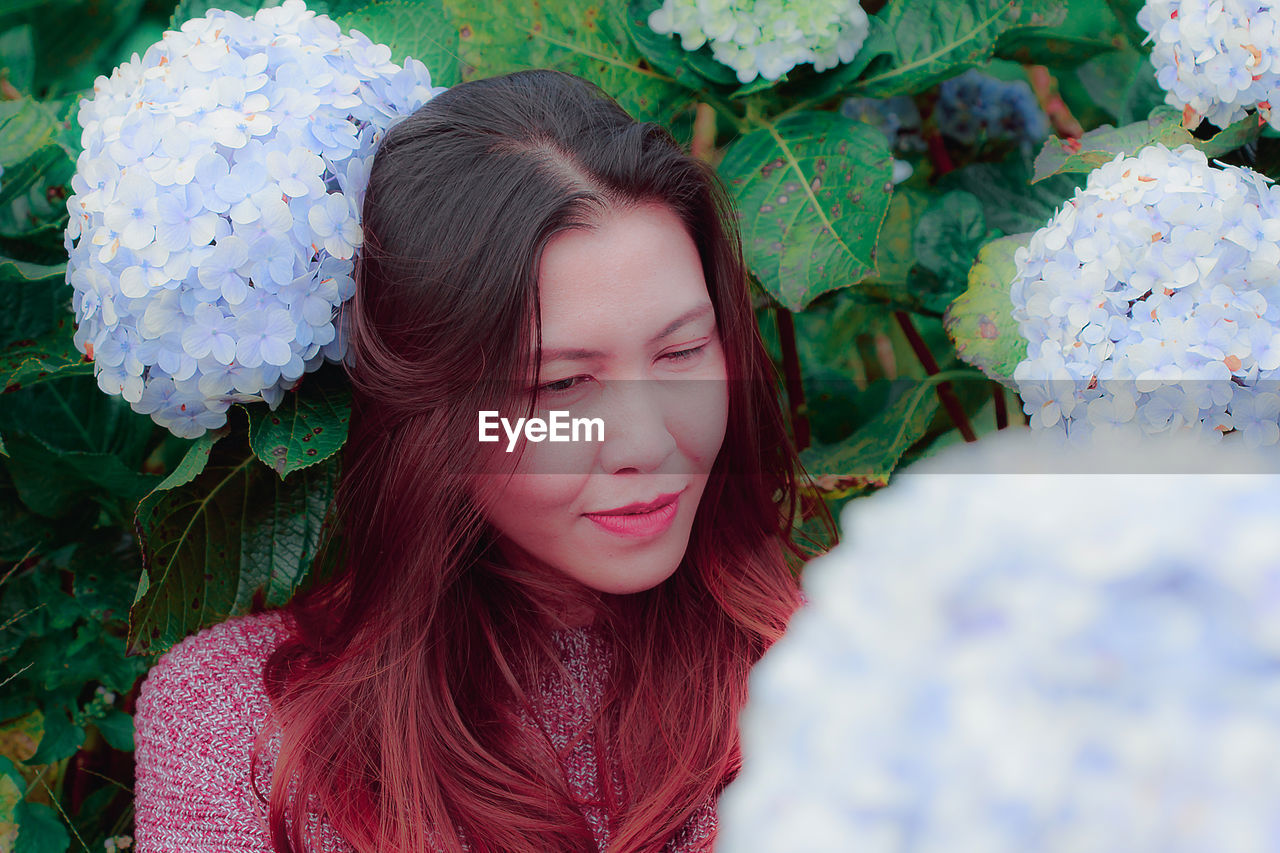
621	281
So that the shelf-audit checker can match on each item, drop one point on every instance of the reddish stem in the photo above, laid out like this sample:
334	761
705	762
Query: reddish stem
791	375
938	155
945	394
1002	411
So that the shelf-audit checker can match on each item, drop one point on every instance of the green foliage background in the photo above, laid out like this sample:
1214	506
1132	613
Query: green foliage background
876	300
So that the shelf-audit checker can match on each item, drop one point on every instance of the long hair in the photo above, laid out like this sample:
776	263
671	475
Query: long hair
394	692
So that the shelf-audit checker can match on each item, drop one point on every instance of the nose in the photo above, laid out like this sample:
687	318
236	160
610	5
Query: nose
636	437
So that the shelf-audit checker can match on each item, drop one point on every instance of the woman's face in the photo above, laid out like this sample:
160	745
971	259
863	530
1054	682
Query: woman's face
629	337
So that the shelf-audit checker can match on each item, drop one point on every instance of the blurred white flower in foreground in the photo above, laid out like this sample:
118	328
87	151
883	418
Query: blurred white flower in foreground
1011	662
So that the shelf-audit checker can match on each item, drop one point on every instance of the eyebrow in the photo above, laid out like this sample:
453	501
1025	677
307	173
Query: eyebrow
572	354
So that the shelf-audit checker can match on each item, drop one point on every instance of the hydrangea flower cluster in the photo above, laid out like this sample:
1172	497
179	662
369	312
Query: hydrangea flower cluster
974	106
1151	302
766	38
216	207
1005	662
1215	58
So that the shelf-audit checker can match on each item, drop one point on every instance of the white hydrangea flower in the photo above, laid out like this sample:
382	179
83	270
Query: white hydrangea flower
1215	59
766	38
1155	288
215	214
998	659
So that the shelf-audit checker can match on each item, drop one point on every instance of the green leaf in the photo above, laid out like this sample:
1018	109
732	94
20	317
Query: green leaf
33	298
1010	201
1123	83
868	457
1231	137
26	125
1126	13
74	37
17	57
309	426
47	160
217	537
40	830
49	356
921	44
411	28
1164	126
73	415
61	738
980	320
949	234
1087	29
695	69
583	37
51	483
895	250
117	730
812	190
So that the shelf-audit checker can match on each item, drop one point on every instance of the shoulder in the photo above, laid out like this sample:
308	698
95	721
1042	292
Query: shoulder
198	711
221	660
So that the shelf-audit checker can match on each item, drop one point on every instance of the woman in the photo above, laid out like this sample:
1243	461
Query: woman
545	649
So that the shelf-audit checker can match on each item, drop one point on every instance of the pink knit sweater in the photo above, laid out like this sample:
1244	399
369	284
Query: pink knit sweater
201	705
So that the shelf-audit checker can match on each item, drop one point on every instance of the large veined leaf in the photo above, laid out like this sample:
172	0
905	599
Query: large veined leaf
980	320
222	533
583	37
411	28
921	44
1100	146
812	191
308	426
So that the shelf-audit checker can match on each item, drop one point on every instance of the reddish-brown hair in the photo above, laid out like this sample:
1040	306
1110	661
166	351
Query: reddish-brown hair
396	695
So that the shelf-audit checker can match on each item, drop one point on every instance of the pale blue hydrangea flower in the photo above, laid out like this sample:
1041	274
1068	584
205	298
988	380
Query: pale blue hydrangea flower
215	212
766	38
1022	647
1155	282
1215	59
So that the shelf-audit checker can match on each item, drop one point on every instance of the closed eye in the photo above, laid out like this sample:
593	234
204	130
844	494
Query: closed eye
572	382
561	386
684	353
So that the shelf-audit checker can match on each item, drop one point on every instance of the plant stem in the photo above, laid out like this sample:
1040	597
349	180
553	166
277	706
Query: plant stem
704	133
938	155
791	374
949	400
1002	411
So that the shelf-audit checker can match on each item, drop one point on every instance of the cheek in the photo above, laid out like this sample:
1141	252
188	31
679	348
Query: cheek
533	502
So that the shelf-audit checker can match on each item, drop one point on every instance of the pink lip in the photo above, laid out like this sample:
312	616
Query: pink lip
640	524
656	503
